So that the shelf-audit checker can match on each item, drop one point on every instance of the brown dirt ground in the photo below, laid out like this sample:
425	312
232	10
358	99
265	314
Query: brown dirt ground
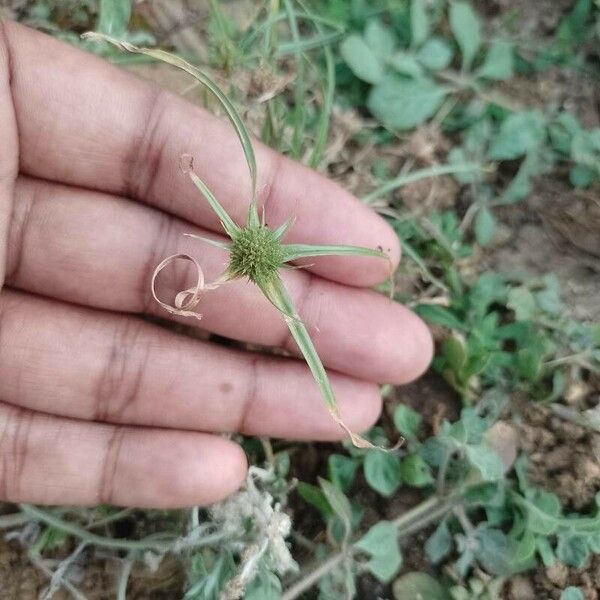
22	580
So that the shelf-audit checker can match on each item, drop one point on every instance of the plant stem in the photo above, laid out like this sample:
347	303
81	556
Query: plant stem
416	513
410	522
405	179
314	576
110	519
124	579
574	416
14	520
38	514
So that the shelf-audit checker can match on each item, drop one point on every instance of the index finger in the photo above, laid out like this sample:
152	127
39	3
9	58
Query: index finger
85	122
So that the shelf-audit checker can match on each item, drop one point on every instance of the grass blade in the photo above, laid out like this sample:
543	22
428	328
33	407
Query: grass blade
299	113
326	110
205	80
405	179
217	243
275	291
296	251
230	227
284	228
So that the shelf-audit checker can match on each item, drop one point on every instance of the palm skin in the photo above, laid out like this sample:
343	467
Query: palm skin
96	403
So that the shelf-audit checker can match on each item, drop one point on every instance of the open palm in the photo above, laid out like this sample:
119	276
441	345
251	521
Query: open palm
98	405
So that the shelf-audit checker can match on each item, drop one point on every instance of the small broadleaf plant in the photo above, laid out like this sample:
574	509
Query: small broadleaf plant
256	252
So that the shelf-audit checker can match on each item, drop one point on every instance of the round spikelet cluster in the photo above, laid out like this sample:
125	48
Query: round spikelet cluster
255	253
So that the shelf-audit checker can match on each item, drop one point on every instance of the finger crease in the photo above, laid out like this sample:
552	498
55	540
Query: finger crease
19	452
250	397
6	44
18	233
6	418
120	381
145	157
106	485
287	340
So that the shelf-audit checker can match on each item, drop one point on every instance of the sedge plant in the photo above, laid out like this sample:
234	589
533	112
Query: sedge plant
256	252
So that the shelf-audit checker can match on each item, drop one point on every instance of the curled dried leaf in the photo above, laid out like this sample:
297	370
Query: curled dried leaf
186	300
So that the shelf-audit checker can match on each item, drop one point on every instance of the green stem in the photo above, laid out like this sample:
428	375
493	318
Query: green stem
416	519
159	545
435	171
110	519
124	579
14	520
314	576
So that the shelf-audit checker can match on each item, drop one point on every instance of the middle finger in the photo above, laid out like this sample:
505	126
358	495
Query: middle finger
89	364
101	250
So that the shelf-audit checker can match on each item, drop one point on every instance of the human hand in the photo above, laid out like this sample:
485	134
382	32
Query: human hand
100	406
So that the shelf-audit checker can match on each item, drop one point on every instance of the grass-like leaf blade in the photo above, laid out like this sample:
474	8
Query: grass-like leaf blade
230	227
205	80
296	251
275	291
210	241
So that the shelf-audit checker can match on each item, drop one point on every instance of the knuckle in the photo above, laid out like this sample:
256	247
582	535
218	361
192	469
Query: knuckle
146	154
250	397
107	484
124	366
15	424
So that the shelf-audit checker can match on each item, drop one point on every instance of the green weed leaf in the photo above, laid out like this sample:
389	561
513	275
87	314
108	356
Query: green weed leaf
486	460
275	291
419	22
436	54
381	544
545	551
312	495
113	17
494	551
415	471
581	176
522	302
407	421
520	187
455	352
525	549
382	472
439	545
419	586
572	549
485	226
466	28
407	64
404	104
338	502
519	134
342	470
380	39
438	315
361	59
572	593
499	62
